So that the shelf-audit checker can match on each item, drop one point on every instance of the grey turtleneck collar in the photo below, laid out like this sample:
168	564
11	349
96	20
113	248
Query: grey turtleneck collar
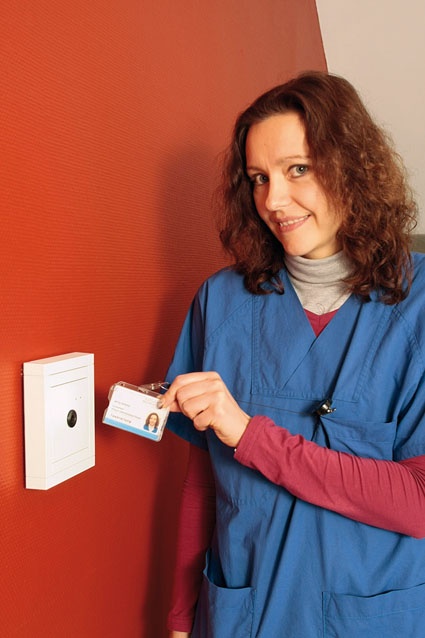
319	282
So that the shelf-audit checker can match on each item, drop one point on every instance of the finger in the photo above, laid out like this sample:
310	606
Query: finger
174	407
194	406
176	392
168	399
176	397
202	421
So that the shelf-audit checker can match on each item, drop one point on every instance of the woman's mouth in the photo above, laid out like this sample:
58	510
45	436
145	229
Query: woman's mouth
291	224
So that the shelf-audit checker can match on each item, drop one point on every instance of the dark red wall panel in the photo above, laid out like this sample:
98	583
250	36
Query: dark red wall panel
112	114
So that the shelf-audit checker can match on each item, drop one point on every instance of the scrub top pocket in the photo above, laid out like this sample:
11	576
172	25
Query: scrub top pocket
224	612
369	439
395	614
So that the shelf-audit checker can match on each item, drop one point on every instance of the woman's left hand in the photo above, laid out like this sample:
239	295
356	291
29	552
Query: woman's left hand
205	399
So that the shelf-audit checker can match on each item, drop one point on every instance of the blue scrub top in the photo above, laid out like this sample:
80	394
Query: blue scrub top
280	567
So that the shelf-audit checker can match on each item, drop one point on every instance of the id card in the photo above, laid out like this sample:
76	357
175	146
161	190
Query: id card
135	409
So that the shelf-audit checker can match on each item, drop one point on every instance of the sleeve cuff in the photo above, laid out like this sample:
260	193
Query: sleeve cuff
248	442
179	623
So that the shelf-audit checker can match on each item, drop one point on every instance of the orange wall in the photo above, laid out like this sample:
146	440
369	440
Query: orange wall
112	113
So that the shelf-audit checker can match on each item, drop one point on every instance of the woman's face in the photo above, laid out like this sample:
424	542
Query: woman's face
287	195
153	420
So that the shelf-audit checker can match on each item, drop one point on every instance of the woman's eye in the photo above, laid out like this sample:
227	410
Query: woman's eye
258	179
298	170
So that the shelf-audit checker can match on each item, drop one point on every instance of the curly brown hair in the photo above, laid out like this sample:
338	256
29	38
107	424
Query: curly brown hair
358	169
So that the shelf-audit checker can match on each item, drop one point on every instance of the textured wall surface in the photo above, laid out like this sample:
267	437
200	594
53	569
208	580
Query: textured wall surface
112	115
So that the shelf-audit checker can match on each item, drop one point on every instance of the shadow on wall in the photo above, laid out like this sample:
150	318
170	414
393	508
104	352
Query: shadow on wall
189	252
418	243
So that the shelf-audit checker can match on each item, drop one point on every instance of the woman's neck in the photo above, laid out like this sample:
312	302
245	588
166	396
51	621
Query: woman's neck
319	283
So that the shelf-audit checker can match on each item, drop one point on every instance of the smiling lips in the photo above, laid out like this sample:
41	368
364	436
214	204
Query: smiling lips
291	224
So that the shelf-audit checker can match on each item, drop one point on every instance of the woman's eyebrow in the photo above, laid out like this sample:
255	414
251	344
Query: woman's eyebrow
282	160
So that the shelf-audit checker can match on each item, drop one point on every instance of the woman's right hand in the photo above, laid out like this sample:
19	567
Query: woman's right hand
204	398
179	634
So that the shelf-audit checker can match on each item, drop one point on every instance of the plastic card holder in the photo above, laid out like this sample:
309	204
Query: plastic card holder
135	409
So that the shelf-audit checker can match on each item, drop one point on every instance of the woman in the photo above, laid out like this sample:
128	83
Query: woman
299	382
151	423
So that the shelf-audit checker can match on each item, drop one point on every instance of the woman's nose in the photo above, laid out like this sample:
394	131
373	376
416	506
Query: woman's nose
278	194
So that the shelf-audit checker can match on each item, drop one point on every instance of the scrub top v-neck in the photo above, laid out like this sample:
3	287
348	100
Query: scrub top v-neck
279	566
